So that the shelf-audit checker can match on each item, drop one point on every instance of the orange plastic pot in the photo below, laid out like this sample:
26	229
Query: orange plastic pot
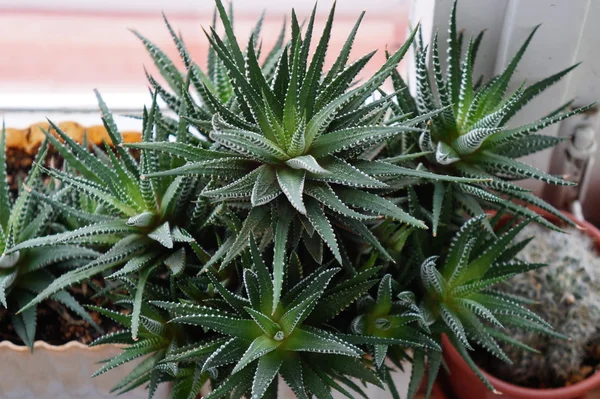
466	385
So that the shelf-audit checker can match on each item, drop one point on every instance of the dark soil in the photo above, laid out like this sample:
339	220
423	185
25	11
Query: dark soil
58	325
18	165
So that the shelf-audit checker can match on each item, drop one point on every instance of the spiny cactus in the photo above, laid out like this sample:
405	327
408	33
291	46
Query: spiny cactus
471	137
25	273
566	293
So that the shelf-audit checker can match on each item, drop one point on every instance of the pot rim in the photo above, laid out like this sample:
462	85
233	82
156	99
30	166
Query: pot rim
571	391
43	345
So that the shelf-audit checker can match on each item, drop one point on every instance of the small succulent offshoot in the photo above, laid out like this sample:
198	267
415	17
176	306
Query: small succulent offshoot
157	339
397	323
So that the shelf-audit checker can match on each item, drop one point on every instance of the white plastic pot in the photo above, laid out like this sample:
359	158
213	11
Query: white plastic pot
64	372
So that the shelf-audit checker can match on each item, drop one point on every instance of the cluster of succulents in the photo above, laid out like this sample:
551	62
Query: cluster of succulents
25	273
292	221
566	293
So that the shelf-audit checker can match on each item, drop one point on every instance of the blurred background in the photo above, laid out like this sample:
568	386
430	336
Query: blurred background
55	52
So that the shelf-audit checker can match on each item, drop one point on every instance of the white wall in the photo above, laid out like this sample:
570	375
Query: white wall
474	16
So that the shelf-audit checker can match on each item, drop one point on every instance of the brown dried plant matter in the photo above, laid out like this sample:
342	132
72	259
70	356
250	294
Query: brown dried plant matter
22	144
29	139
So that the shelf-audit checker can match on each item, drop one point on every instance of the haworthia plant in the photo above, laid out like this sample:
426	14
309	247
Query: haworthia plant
156	342
298	153
472	137
390	321
462	298
259	344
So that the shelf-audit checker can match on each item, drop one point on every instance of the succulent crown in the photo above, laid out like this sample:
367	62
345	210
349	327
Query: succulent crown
474	120
298	127
298	152
262	342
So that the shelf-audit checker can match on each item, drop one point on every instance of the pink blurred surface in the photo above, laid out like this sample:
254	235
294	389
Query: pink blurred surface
76	51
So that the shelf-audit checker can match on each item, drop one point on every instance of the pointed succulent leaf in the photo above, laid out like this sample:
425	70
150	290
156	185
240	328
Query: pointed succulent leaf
281	231
266	371
321	224
266	188
317	341
257	349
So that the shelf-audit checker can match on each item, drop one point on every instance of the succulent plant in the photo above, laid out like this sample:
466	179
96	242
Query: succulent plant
171	352
156	341
471	137
396	322
566	294
292	341
461	297
25	273
213	240
298	153
144	226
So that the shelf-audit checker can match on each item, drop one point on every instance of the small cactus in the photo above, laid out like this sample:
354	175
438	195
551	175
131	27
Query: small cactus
567	295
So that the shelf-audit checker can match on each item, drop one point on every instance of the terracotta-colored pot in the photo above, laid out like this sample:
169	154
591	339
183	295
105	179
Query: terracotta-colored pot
466	385
63	372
